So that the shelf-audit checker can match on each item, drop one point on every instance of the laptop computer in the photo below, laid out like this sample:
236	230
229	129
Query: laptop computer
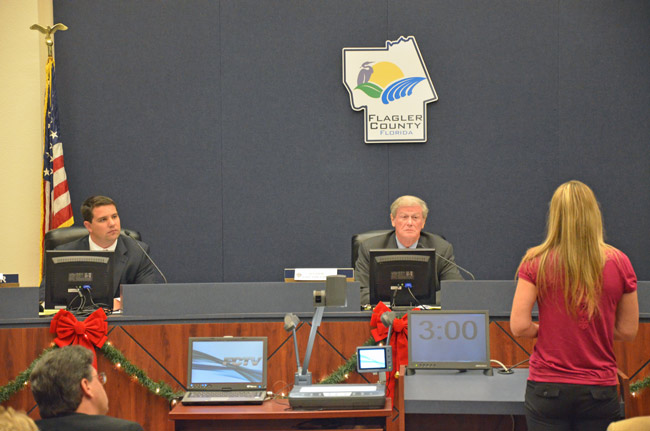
226	370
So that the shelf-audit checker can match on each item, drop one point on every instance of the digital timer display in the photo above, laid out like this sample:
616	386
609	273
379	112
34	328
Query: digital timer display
447	339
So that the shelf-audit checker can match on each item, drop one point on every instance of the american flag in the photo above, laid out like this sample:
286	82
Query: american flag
55	208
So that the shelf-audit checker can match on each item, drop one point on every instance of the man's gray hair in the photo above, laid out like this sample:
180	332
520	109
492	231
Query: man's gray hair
56	379
409	201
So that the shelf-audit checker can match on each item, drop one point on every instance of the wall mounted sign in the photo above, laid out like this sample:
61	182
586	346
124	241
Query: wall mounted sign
392	85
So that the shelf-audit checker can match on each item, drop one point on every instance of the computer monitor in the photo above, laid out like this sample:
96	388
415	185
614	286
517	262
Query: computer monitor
78	280
374	359
403	277
449	340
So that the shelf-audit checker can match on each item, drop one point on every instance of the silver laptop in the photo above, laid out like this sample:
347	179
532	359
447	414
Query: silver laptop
226	370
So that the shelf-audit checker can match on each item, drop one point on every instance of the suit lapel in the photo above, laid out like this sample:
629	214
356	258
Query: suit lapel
391	241
85	243
119	263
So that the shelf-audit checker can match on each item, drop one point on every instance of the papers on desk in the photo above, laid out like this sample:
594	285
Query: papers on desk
48	312
316	274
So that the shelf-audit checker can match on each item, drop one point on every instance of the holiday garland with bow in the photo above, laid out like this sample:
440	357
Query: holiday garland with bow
398	342
92	333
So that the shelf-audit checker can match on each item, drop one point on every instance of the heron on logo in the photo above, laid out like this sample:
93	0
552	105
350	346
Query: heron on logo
385	80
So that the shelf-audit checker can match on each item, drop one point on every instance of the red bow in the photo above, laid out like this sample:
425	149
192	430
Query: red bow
90	333
398	341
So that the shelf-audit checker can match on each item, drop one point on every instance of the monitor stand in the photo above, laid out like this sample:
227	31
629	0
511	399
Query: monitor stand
411	371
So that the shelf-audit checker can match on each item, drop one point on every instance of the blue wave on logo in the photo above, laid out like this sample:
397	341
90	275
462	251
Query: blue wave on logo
398	89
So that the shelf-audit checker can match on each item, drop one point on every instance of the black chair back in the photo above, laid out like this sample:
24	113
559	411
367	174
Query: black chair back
358	238
64	235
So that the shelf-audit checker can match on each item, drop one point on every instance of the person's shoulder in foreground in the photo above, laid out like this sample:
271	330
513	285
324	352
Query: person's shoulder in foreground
84	422
11	420
639	423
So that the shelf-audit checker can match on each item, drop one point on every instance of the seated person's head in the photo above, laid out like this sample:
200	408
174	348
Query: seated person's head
11	420
408	215
101	219
64	381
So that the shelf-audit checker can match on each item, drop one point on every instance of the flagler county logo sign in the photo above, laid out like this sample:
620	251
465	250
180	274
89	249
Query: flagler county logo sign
392	85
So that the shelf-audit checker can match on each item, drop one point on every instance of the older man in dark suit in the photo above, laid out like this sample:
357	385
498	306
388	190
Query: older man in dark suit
408	215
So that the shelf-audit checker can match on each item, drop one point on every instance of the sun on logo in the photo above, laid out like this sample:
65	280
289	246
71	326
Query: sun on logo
392	85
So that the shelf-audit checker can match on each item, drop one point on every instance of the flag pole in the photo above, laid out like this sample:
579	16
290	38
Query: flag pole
56	210
49	32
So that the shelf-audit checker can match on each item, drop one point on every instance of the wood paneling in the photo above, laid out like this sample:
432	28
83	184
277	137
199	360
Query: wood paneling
161	350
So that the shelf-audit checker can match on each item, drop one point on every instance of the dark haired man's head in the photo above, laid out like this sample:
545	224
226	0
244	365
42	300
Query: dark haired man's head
93	202
101	219
64	381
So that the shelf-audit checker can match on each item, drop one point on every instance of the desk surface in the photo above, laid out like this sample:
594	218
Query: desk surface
471	392
205	302
271	409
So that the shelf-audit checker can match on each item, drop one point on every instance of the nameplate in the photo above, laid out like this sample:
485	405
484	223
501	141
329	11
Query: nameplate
8	280
316	274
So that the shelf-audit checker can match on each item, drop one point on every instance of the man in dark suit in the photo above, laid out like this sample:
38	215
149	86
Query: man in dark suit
408	215
70	393
130	264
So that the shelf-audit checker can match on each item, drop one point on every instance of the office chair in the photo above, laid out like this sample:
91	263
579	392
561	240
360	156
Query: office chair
64	235
358	238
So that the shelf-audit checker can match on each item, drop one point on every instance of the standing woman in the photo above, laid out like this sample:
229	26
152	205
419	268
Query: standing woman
586	295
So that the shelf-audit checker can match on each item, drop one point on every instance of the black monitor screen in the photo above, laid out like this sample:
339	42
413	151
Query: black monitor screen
78	279
403	276
444	339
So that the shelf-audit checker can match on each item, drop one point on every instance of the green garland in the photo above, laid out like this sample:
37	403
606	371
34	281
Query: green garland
116	357
7	391
160	388
165	391
639	384
342	372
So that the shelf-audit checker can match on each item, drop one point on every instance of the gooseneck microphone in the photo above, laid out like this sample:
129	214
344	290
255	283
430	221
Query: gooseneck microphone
456	265
387	319
128	235
291	322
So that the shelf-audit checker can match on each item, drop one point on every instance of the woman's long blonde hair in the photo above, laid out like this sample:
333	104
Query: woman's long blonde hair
574	251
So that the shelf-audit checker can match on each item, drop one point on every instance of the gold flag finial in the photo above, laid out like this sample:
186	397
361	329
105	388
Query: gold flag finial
49	32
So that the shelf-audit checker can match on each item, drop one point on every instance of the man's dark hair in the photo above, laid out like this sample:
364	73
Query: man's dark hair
93	202
56	380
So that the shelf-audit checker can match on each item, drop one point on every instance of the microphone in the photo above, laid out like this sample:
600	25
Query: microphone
291	322
456	265
387	319
128	235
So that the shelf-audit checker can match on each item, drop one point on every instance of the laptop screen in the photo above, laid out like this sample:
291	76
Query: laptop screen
227	363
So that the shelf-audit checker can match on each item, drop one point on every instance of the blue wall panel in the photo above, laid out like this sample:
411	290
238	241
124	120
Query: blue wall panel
224	132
